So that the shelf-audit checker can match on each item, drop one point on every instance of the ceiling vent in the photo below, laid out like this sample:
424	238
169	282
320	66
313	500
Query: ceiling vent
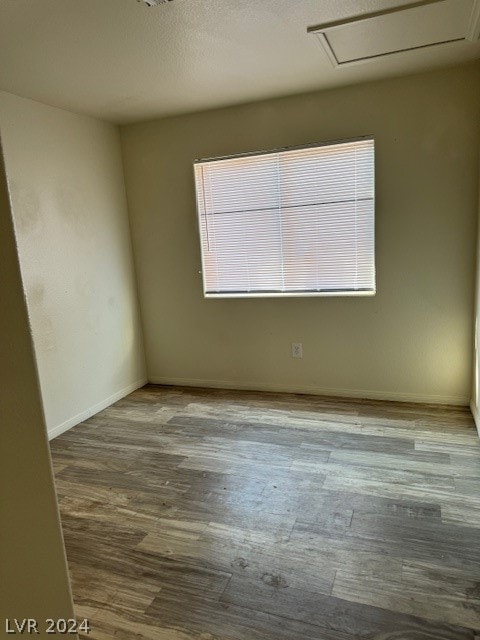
428	23
153	3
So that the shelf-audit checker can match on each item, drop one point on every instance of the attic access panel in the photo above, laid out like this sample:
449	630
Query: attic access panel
415	26
154	3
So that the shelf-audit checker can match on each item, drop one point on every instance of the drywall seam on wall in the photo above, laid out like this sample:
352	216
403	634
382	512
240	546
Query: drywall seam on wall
88	413
318	391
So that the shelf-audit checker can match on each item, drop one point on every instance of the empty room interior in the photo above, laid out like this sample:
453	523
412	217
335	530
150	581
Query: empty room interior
239	377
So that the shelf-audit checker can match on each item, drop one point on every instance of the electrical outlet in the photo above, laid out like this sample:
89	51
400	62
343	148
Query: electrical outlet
297	350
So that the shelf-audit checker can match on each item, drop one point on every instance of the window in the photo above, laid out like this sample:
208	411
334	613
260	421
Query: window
298	221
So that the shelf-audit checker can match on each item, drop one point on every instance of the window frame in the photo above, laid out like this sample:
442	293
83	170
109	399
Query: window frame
339	293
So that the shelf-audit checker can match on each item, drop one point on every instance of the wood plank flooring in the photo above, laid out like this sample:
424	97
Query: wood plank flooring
194	514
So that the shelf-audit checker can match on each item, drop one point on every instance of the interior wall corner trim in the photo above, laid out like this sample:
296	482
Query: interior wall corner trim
476	416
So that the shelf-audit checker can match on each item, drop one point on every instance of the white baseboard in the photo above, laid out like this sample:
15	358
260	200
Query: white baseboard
91	411
318	391
476	416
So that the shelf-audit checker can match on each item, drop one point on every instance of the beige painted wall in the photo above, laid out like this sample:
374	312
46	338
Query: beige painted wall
411	341
71	221
34	581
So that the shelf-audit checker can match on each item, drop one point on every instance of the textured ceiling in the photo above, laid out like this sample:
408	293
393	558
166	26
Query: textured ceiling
124	61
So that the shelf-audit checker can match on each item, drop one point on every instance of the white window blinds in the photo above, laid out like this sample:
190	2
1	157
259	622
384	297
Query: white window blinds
292	222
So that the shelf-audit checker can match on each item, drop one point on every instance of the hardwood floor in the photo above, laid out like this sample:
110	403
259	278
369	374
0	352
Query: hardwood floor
214	515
